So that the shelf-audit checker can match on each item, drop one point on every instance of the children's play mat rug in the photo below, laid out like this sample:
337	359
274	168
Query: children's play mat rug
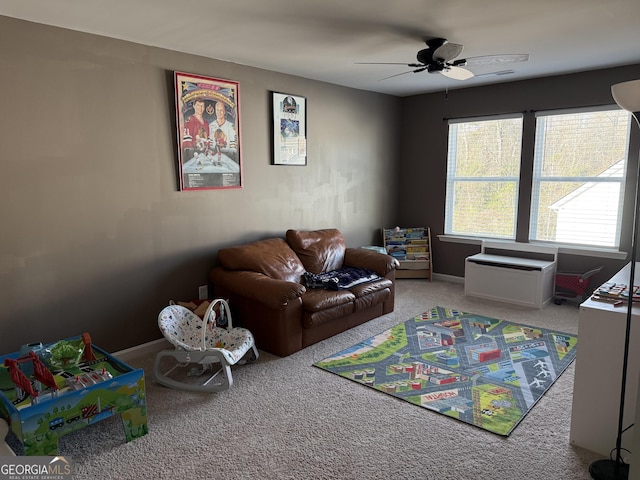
480	370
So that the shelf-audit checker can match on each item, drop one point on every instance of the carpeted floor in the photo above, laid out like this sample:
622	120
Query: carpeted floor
285	419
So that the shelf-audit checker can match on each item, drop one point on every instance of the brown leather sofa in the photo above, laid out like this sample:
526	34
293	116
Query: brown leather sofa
264	283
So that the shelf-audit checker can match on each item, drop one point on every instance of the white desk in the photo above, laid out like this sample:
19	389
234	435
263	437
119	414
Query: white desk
598	373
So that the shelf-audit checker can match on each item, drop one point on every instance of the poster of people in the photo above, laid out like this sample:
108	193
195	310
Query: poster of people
207	111
289	129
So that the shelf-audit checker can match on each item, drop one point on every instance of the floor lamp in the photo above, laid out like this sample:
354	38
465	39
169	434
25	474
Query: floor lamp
627	96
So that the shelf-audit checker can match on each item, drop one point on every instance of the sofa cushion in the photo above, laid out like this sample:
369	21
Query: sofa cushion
370	287
272	257
372	298
319	250
318	300
342	279
327	315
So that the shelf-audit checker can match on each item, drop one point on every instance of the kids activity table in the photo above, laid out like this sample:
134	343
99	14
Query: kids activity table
97	387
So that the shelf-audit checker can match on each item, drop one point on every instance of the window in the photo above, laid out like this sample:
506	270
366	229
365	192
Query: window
483	169
578	178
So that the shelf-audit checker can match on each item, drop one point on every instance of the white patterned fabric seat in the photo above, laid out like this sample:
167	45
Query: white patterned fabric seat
200	341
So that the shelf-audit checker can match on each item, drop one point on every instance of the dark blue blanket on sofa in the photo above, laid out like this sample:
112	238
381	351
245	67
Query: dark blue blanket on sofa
343	279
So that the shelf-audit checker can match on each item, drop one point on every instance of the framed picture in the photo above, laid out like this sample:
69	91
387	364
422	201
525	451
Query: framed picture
207	118
289	129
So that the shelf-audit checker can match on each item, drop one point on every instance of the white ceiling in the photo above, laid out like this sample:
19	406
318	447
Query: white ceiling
326	39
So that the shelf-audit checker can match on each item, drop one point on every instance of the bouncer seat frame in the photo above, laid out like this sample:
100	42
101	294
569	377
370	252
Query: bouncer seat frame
199	341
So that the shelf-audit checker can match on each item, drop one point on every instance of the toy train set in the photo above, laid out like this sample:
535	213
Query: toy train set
44	383
48	392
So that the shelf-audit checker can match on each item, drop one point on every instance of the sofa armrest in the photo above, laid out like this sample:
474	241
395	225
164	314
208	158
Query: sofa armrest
378	262
256	286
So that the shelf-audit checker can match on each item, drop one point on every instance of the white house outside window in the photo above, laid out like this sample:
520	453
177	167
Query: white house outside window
579	174
578	177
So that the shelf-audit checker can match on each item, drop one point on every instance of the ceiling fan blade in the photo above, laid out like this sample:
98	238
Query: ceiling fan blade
457	73
448	51
413	65
382	63
418	70
497	59
498	73
440	56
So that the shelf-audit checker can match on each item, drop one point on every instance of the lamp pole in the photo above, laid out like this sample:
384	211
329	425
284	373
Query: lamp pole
627	95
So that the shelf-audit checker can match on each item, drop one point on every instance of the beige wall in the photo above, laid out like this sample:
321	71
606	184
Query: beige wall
95	234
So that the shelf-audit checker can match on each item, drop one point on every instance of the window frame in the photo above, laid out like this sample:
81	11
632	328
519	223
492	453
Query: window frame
537	179
524	206
452	179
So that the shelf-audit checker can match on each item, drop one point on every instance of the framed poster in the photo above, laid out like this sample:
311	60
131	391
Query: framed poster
208	111
289	129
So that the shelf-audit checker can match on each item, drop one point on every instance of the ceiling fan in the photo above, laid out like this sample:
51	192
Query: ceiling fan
439	57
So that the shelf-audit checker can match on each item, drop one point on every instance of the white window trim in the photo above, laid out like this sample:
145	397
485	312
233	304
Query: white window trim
585	251
537	179
484	118
449	180
570	111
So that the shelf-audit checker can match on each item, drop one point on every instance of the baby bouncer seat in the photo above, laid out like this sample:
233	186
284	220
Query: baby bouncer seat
200	342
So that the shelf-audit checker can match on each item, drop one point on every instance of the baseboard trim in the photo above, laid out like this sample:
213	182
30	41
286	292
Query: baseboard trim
448	278
155	345
142	349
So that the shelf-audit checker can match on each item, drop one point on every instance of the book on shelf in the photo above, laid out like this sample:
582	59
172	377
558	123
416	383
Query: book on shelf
412	248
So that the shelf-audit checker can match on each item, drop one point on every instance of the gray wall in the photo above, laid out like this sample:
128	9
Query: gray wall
424	152
95	234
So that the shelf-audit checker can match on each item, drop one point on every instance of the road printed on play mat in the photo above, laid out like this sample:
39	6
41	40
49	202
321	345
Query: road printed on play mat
483	371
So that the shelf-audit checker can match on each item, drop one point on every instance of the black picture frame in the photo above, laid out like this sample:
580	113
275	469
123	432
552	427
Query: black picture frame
289	114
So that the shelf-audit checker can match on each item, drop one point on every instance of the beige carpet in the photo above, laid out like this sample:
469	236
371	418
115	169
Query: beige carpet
285	419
